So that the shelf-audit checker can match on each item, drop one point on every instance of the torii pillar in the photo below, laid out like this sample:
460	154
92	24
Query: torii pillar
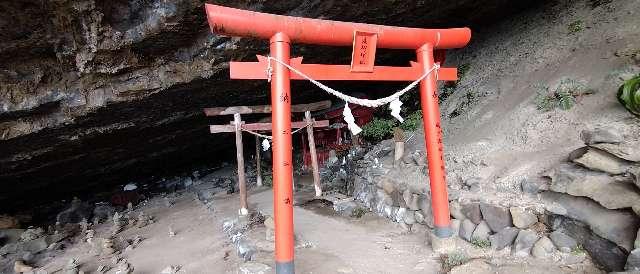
365	38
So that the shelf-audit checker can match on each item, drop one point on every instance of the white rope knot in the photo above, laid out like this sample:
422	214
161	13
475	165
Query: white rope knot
351	121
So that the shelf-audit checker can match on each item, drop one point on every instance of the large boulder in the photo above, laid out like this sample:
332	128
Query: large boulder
503	238
497	217
472	212
628	151
604	253
633	261
600	160
521	218
543	248
600	135
466	229
563	241
617	226
600	187
481	232
524	242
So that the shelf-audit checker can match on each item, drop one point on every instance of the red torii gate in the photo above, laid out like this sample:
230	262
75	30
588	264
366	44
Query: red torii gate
365	38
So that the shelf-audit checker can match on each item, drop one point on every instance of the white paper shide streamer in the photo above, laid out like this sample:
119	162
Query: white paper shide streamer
265	144
351	121
396	106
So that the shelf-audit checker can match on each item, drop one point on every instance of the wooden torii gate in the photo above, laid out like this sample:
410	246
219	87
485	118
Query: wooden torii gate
237	126
429	45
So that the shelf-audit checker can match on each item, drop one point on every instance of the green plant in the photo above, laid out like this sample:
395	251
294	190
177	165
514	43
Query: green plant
575	26
629	95
267	180
412	122
382	128
451	260
358	212
480	243
563	96
378	129
578	250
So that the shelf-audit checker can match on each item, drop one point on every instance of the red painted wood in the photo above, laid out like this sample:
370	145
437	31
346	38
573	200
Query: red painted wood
257	70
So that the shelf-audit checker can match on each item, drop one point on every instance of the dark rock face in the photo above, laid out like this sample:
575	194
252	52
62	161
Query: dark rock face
96	93
603	252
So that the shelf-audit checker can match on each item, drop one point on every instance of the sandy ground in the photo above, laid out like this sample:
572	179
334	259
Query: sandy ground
327	242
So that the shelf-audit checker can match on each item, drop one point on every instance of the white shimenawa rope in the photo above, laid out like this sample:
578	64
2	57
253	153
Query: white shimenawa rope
265	142
393	100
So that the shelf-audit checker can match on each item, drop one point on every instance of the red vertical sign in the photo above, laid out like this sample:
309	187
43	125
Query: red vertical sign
364	51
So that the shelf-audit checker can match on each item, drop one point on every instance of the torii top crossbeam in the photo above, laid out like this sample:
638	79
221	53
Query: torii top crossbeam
364	38
242	23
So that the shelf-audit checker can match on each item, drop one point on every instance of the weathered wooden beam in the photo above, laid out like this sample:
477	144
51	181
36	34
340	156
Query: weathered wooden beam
242	184
258	163
215	111
314	156
263	126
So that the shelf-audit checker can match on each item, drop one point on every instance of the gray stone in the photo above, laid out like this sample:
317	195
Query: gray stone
398	199
31	234
604	253
473	184
9	249
388	185
534	185
472	212
409	217
503	238
103	212
600	187
35	245
600	135
521	218
419	158
456	210
563	242
254	268
633	261
466	229
77	211
481	232
598	218
245	249
10	235
497	217
524	242
425	207
419	217
628	150
455	226
414	204
636	243
543	248
599	160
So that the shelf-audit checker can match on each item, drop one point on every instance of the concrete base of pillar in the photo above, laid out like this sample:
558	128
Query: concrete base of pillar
441	245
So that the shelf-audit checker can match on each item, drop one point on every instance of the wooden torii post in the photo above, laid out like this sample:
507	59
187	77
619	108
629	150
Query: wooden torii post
281	31
237	126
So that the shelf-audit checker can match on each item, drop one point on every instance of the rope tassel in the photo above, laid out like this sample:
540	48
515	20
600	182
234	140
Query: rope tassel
351	121
396	106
